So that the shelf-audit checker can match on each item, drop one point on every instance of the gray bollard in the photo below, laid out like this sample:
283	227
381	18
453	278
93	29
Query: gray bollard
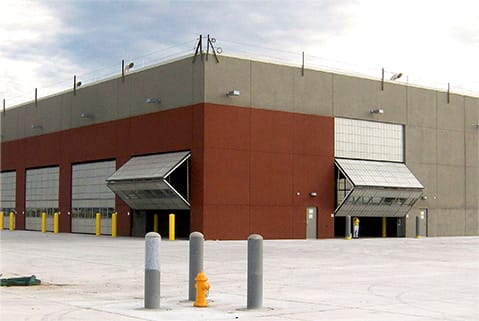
196	261
255	272
152	270
348	227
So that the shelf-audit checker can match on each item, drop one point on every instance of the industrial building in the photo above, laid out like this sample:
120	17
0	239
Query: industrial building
235	146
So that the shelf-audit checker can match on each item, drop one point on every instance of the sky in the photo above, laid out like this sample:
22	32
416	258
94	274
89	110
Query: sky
44	43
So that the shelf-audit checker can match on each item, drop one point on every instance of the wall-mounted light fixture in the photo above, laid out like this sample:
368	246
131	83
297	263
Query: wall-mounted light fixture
377	111
37	126
313	194
233	92
153	100
86	115
424	197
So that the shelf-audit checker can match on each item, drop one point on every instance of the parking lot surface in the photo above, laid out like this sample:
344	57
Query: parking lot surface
85	277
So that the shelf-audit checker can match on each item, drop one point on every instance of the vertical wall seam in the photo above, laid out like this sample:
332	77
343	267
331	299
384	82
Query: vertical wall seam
332	95
293	119
465	166
292	155
436	130
250	142
406	126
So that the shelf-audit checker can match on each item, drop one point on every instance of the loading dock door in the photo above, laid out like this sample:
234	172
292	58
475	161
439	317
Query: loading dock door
376	189
41	195
159	181
91	196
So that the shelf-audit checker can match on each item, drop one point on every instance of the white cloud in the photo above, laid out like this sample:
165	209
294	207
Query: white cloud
24	21
43	43
28	50
433	42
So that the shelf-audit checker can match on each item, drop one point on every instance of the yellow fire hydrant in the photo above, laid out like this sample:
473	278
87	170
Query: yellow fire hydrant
202	287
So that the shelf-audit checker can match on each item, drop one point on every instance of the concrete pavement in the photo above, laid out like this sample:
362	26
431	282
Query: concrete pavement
101	278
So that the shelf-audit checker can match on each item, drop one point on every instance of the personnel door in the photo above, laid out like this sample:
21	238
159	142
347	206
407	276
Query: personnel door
311	222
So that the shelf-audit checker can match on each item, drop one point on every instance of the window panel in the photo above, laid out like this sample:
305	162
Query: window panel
368	140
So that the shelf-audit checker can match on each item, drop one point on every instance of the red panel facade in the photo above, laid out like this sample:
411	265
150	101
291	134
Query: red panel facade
153	133
252	170
264	165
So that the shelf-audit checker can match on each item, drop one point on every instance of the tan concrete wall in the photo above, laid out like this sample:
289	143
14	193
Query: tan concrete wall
229	74
443	150
421	145
177	84
421	107
472	165
355	98
472	222
268	86
447	222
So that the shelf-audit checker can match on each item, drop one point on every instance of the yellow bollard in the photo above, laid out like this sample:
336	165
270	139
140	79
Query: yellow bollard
2	216
55	223
98	224
384	227
44	222
202	287
172	227
155	223
12	222
114	224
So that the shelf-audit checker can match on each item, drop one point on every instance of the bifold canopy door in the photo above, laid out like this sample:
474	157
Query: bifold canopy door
377	189
159	181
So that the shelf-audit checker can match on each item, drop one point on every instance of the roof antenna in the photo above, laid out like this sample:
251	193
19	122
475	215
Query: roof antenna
199	47
209	43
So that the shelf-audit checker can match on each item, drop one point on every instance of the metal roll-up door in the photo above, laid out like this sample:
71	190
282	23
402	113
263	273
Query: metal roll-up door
90	195
7	193
42	190
159	181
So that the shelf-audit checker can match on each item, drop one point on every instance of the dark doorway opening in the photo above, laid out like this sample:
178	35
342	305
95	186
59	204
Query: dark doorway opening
371	227
144	222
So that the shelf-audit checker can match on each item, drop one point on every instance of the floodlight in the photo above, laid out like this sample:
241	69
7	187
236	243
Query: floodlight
153	100
377	111
129	66
396	76
233	92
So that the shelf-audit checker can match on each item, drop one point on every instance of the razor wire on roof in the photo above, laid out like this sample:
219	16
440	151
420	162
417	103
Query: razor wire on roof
103	73
244	50
313	61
